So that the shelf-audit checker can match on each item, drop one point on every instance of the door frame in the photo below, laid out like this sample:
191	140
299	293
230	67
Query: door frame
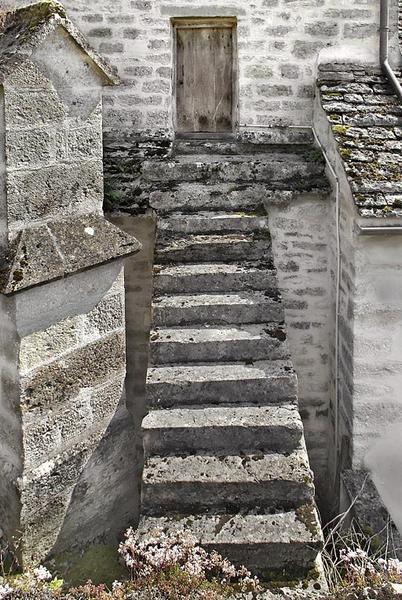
202	23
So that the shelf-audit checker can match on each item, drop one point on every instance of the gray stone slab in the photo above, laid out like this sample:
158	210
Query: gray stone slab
193	197
225	344
222	430
213	248
206	222
213	277
260	383
199	484
243	307
283	171
269	545
59	248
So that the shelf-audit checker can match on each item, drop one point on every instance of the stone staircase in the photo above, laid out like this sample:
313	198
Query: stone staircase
224	447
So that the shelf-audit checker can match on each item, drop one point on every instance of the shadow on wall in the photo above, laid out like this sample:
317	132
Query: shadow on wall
108	490
384	461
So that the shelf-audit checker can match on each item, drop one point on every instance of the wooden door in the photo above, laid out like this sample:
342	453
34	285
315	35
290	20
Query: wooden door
204	79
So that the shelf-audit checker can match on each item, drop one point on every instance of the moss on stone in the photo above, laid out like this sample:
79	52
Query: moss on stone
346	153
98	563
307	515
340	129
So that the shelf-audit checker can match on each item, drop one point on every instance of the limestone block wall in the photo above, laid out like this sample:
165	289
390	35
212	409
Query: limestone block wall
301	233
278	46
62	302
69	344
54	155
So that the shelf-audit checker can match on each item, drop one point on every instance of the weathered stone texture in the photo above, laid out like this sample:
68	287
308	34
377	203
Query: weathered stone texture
54	159
68	399
136	37
366	121
63	338
301	231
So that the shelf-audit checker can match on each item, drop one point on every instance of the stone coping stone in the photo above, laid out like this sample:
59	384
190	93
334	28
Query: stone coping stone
27	27
56	249
369	510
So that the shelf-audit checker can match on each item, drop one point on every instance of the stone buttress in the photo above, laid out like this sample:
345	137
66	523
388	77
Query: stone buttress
62	323
224	442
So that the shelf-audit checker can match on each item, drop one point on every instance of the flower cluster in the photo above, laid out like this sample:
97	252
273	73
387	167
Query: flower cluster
5	590
160	551
42	574
361	569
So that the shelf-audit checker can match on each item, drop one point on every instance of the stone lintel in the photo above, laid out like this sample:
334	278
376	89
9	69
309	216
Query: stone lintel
56	249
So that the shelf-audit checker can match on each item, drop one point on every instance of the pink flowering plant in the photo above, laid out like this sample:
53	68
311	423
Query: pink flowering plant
177	555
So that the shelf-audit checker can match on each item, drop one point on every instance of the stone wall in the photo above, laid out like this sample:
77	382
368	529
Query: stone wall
366	415
342	249
72	372
378	365
301	234
54	156
278	45
62	302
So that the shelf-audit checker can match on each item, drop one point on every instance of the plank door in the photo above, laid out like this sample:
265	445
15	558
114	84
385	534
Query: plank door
204	85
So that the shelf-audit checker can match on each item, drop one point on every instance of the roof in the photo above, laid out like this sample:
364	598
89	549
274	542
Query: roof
366	120
26	28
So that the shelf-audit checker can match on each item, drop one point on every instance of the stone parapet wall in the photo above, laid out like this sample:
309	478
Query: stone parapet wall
54	157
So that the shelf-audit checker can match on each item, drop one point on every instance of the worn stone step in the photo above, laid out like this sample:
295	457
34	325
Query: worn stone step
205	483
281	170
214	277
225	344
194	197
190	198
222	430
262	382
214	248
233	147
216	309
212	221
277	546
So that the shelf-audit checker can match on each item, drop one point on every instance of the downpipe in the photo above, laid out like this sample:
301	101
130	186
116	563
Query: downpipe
384	49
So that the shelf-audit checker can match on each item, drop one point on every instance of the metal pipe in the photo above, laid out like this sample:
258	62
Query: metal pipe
382	229
384	49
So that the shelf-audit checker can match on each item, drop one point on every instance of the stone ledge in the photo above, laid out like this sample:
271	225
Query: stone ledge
56	249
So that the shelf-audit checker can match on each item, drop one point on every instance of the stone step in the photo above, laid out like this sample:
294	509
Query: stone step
222	430
212	221
224	344
218	384
233	147
206	483
214	277
195	197
280	170
217	309
190	198
271	546
214	248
